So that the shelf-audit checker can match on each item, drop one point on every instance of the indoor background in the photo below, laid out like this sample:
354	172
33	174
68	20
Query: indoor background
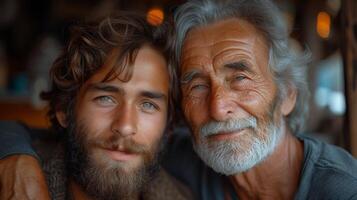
32	34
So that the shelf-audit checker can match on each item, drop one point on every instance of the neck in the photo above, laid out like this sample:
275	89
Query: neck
277	177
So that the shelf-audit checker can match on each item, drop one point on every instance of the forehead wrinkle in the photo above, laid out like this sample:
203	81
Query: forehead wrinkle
202	60
196	58
189	46
229	52
189	50
193	62
234	42
244	45
240	49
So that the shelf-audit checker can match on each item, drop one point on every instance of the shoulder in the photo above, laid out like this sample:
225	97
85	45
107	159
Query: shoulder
16	138
11	126
333	170
330	157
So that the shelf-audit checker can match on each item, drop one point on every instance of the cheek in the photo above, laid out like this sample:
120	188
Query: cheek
258	98
189	106
150	127
96	120
254	99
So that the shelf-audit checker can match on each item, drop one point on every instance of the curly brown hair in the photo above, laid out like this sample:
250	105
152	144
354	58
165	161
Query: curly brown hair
90	45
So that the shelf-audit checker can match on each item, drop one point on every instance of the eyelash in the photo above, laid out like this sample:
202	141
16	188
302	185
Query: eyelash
240	77
104	99
198	86
153	106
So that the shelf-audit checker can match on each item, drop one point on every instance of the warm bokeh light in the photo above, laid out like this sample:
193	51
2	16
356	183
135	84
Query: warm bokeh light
323	24
155	16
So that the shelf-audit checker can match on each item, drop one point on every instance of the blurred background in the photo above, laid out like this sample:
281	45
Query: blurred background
32	34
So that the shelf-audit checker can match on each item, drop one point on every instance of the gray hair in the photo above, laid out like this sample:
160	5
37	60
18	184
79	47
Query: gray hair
287	66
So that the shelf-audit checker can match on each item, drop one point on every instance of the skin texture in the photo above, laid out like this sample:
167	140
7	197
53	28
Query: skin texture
120	111
123	108
17	182
218	91
224	75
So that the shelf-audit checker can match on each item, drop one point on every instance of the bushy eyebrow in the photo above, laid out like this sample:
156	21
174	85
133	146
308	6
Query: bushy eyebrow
189	76
239	66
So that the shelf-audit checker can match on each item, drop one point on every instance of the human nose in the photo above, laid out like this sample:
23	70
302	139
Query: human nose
221	106
125	121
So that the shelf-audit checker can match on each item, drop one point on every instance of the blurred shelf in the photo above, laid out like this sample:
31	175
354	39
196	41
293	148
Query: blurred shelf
20	110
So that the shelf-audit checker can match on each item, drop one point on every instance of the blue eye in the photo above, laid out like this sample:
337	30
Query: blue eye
148	106
105	100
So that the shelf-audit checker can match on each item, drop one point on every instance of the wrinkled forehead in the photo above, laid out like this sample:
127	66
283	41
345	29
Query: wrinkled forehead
221	29
218	36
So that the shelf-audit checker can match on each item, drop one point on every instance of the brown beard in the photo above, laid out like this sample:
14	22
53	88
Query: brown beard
109	181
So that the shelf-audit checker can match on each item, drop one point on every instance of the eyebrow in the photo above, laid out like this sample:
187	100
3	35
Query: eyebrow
115	89
189	76
239	66
105	87
153	95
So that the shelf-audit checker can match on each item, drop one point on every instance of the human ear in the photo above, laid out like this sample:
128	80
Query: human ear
289	102
61	118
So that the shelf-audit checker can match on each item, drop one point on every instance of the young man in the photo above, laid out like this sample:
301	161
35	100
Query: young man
111	104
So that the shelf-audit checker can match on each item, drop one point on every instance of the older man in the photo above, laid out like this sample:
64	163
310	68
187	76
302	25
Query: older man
244	96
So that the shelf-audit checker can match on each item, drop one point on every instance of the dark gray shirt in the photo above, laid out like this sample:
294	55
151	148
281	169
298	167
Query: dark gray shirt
328	172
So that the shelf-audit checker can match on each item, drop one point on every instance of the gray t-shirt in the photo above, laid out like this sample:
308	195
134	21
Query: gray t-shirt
328	172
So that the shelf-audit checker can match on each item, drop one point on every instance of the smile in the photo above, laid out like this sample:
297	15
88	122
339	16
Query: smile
226	135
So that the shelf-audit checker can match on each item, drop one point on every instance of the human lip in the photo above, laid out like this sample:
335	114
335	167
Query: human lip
226	134
119	155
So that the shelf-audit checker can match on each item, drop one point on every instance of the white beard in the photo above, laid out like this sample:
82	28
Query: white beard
237	155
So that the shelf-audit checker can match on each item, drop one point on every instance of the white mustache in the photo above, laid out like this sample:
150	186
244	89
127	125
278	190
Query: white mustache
231	125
